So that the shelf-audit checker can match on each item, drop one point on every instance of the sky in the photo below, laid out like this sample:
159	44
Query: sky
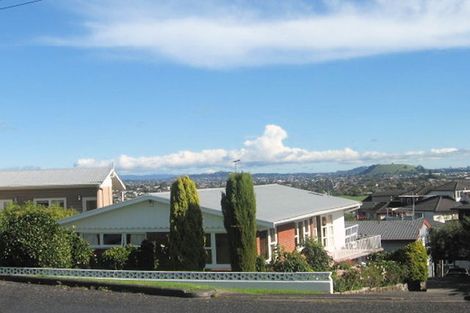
188	87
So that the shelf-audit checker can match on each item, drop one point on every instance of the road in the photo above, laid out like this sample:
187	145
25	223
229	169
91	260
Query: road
20	297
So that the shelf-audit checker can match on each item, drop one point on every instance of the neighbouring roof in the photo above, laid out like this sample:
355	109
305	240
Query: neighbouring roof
373	206
435	204
462	207
452	186
389	193
56	177
277	203
390	230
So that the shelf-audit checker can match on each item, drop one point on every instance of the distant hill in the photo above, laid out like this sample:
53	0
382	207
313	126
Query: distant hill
387	170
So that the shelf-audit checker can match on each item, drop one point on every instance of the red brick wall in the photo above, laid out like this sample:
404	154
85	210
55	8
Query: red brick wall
286	236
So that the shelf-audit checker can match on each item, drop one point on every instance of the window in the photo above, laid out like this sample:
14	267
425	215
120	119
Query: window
208	248
302	232
327	230
112	239
48	202
222	249
135	239
93	239
5	203
89	203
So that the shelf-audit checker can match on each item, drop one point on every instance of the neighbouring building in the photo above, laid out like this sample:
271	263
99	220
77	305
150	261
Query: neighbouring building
286	217
457	190
83	189
394	234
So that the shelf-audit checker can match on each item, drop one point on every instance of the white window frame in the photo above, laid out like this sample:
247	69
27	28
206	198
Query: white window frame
85	199
35	200
272	242
304	227
211	248
4	203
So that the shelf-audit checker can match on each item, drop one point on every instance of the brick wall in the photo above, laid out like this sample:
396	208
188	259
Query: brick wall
286	236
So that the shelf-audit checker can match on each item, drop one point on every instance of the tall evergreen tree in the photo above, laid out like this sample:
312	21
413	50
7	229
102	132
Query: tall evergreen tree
186	246
239	209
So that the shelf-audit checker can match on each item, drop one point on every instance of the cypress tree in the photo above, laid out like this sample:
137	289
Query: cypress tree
186	240
239	209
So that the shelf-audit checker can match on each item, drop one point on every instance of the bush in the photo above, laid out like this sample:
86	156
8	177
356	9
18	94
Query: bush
290	262
81	251
316	256
417	262
261	264
116	258
347	280
31	237
146	256
372	276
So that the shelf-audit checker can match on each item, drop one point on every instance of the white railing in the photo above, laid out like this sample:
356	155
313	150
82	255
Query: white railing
368	243
314	281
358	248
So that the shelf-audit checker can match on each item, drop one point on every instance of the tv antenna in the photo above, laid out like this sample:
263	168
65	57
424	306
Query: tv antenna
236	164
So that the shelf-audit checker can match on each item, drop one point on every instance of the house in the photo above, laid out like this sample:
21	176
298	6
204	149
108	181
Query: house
434	208
457	190
286	217
395	234
82	189
462	210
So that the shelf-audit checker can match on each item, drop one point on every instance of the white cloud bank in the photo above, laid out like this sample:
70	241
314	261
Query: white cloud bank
224	34
266	150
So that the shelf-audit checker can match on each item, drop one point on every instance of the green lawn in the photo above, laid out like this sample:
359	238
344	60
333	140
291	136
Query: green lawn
355	198
189	287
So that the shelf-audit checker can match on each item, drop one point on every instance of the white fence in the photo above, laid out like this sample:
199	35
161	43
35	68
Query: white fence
311	281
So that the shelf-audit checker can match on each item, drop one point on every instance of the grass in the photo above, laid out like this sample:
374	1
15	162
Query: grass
355	198
189	287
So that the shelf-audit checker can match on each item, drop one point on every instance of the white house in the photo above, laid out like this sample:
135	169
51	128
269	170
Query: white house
286	216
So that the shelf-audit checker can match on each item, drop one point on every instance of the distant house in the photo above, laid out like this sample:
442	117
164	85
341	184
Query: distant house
395	234
462	210
457	190
82	189
286	217
435	208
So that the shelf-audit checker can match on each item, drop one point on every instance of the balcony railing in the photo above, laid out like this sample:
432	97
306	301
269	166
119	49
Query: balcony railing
358	248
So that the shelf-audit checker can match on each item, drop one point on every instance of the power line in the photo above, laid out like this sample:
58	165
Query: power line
18	4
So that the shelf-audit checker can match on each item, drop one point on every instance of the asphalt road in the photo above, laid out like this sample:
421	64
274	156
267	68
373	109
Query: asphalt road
20	297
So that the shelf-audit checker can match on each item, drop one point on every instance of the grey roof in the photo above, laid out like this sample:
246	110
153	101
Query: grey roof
53	177
390	230
277	203
452	186
435	204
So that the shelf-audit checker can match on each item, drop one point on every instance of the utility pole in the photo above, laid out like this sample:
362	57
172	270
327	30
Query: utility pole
236	164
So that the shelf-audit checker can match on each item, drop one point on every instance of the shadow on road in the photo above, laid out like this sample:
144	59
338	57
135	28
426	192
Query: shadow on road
453	286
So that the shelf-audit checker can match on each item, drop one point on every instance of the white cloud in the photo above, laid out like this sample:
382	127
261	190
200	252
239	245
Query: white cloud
266	150
220	34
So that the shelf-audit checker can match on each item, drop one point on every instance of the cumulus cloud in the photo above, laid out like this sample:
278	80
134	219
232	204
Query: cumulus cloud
221	34
266	150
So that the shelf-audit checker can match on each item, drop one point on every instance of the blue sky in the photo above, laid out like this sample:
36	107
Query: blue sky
306	86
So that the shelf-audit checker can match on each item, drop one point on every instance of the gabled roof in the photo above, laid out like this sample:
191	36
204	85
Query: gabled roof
462	207
391	230
435	204
275	204
57	178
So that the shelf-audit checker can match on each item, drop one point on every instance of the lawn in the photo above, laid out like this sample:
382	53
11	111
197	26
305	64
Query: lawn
189	287
355	198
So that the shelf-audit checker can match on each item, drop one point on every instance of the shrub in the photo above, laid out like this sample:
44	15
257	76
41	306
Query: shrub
81	251
239	210
372	275
417	262
261	264
146	256
290	262
31	237
116	258
347	280
186	247
316	256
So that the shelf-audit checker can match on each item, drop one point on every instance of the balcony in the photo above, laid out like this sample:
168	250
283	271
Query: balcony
355	248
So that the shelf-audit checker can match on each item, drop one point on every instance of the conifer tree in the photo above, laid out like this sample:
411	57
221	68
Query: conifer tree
186	239
239	209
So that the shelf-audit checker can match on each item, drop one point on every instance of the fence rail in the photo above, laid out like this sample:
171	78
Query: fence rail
315	281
